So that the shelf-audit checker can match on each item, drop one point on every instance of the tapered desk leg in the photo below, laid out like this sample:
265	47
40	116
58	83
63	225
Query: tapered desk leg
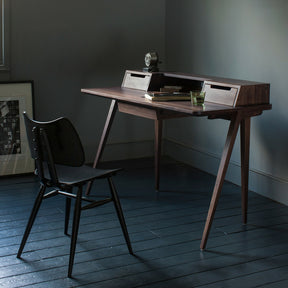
231	136
158	137
245	147
105	133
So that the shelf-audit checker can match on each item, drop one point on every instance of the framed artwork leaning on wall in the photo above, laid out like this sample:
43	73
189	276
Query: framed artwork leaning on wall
15	97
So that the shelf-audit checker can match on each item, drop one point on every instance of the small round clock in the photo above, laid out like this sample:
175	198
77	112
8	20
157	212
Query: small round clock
151	61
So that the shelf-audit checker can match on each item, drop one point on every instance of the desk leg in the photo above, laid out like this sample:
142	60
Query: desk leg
226	154
245	145
158	137
105	133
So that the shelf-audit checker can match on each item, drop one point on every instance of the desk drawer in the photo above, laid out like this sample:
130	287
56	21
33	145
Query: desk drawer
221	93
136	80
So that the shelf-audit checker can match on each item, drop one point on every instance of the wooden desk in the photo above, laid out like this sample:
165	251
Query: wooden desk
133	101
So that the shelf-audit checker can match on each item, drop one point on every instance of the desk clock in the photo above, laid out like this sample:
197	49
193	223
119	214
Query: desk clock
151	61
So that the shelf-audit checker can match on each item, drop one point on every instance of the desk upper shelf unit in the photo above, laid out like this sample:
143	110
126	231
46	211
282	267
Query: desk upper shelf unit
221	91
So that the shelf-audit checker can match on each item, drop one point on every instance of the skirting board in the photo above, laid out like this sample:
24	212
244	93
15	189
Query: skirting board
259	182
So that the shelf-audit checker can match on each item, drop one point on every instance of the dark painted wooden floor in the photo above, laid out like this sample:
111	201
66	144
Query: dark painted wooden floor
165	235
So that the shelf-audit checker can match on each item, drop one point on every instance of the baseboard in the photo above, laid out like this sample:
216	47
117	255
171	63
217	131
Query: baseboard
259	181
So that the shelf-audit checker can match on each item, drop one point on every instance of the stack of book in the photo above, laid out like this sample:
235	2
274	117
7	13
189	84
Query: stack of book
167	96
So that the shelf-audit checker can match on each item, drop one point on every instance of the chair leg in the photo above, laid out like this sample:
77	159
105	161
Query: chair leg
67	215
75	228
119	211
32	217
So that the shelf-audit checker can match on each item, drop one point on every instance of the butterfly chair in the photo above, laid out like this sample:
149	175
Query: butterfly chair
59	158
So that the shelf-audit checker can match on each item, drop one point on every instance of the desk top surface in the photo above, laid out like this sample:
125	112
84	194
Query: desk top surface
137	97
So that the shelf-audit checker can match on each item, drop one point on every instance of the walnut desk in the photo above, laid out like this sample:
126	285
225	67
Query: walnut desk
233	100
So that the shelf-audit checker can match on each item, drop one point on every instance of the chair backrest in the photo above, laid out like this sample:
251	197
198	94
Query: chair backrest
54	142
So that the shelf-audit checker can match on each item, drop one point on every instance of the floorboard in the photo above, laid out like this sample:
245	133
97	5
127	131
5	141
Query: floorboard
165	232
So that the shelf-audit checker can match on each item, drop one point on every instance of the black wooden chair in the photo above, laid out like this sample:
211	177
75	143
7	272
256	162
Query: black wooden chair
59	159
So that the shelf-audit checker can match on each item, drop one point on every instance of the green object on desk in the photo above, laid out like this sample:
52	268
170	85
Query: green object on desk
197	97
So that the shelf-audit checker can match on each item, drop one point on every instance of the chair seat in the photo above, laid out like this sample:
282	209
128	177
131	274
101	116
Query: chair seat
74	176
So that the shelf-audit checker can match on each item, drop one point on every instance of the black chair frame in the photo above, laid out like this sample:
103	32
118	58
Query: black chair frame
61	172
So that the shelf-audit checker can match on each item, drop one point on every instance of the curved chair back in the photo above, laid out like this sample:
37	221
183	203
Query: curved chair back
54	142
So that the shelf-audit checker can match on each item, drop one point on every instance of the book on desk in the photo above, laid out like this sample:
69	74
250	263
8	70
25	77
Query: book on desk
167	96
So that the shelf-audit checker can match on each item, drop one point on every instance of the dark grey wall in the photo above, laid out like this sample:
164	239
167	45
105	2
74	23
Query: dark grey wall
236	39
67	45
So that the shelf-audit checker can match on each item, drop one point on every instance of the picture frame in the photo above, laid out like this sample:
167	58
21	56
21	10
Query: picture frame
15	98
